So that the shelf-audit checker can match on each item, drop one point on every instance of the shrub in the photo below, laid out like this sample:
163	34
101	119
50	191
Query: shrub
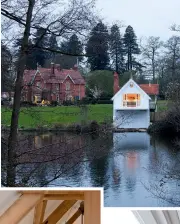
169	126
104	102
54	103
94	127
27	104
67	103
86	100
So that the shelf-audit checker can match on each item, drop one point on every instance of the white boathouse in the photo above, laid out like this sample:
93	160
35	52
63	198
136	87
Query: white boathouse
131	106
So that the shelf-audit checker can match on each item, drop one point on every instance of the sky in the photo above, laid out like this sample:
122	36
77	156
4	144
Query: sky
147	17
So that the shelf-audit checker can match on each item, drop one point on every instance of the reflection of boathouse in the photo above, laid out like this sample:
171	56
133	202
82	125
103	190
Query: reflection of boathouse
129	145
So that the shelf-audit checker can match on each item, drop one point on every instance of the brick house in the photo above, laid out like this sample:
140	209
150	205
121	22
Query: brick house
53	84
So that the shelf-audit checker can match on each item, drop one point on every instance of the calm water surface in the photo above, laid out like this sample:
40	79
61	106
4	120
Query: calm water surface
133	168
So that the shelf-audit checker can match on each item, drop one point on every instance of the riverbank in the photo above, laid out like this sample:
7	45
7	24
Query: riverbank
92	127
51	117
169	125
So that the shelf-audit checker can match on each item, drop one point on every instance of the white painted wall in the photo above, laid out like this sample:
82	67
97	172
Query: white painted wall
131	117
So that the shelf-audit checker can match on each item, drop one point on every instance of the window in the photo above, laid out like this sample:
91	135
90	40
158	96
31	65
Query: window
57	86
38	84
68	86
131	100
57	98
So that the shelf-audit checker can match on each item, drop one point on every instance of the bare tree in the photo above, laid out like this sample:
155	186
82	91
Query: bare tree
175	27
29	16
96	92
173	55
150	53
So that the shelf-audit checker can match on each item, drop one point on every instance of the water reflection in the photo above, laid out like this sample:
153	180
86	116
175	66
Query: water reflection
128	165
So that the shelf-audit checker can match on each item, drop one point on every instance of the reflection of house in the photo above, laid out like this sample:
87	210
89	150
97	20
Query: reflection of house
53	84
131	106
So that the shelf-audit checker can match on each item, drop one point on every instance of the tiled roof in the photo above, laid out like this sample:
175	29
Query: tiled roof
150	89
59	75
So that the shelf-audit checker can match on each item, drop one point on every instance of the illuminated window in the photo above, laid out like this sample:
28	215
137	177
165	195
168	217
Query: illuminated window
131	100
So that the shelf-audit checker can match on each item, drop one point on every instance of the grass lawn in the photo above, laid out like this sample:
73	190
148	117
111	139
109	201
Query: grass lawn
40	116
34	117
162	105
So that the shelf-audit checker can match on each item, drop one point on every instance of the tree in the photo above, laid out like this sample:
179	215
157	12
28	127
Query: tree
97	48
77	17
150	53
41	40
103	80
175	27
7	76
173	56
72	46
75	46
116	49
52	43
131	46
30	59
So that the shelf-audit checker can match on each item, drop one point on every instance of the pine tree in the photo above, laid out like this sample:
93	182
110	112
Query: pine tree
131	46
116	49
75	46
41	40
52	44
72	46
97	47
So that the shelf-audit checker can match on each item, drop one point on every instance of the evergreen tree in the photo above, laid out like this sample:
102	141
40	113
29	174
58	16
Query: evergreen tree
75	46
116	49
97	47
41	40
7	78
72	46
54	46
131	46
30	60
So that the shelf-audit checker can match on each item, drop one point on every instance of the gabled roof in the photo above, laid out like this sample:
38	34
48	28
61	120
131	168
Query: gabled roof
59	75
151	89
135	84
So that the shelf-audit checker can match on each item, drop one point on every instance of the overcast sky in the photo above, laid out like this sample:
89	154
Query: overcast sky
147	17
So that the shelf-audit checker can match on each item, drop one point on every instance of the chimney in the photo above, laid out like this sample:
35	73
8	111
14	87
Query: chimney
116	83
58	67
75	67
52	69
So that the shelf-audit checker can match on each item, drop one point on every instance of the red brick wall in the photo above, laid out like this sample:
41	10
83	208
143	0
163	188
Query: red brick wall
75	90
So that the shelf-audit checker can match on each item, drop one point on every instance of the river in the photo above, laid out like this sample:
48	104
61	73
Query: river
133	168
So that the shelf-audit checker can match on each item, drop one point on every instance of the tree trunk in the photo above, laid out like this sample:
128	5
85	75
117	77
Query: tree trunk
12	141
